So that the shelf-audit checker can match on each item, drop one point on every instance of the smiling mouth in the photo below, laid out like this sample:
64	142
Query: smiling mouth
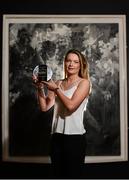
71	68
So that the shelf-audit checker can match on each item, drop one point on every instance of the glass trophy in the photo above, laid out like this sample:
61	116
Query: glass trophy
43	72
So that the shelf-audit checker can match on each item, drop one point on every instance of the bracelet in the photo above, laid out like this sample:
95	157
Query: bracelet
56	89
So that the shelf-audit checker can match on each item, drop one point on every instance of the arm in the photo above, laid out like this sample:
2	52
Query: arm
45	102
79	95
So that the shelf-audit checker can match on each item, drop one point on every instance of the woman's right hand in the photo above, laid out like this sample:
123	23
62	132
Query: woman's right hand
37	84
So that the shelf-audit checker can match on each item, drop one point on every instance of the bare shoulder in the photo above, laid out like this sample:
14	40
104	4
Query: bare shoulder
85	85
84	82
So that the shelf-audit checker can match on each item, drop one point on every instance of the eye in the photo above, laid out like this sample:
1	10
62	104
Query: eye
76	61
68	60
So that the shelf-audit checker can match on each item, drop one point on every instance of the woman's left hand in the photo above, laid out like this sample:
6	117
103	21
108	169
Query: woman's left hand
51	85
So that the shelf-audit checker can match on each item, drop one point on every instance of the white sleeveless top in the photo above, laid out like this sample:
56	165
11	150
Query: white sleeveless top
66	122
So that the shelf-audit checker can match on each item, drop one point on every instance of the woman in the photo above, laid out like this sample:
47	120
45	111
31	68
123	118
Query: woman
69	97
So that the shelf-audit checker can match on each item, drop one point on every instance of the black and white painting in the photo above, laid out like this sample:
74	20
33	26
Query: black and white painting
29	40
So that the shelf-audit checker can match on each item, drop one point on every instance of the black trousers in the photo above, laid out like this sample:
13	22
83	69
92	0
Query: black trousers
67	154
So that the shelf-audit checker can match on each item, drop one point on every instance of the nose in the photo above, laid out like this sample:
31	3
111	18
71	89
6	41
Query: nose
71	63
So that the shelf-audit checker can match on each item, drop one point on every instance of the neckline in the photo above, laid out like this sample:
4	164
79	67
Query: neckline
71	86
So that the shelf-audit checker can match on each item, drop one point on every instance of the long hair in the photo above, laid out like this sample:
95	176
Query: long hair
84	66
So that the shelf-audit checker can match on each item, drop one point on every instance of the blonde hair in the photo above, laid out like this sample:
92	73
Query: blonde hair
84	66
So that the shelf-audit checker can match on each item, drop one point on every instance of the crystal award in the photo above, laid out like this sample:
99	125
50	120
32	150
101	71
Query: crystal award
43	72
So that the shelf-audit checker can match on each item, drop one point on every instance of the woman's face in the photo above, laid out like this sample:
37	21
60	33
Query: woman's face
72	64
